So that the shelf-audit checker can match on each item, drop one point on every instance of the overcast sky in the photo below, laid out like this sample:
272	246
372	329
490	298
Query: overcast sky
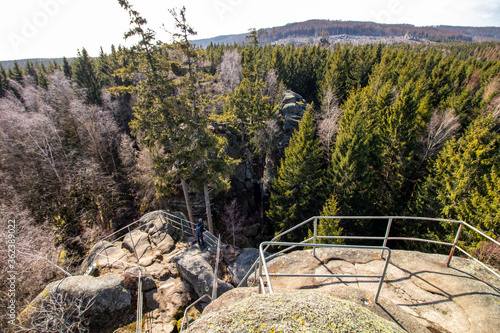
56	28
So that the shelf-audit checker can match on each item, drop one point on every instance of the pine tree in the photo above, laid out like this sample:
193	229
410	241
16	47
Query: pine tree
15	72
4	86
297	191
67	68
169	118
400	127
330	227
85	76
463	183
355	161
336	77
30	70
246	107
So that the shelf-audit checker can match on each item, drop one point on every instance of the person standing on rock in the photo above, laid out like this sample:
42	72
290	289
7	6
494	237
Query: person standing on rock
200	228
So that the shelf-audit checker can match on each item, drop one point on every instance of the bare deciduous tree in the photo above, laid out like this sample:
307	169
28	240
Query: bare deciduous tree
330	116
233	220
230	70
440	129
59	313
138	164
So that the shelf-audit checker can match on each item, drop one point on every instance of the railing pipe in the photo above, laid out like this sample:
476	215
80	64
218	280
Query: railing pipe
189	307
268	276
479	262
382	278
216	270
133	245
315	235
261	284
139	305
455	242
387	231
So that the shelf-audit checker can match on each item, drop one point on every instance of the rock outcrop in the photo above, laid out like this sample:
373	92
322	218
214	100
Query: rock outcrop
109	299
292	109
194	267
239	267
300	311
461	298
420	294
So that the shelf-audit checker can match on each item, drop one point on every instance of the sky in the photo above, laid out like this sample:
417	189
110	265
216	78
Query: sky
56	28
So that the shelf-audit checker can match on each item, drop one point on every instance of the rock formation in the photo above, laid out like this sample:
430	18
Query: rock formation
300	311
420	293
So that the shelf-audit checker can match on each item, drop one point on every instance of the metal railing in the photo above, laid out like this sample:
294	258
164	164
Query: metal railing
384	239
263	265
184	226
185	319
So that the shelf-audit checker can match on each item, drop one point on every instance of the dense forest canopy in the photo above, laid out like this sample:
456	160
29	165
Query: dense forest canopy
88	145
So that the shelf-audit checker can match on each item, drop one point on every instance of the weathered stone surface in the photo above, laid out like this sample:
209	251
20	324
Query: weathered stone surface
137	242
253	230
156	223
163	242
158	271
105	255
460	298
172	295
109	298
291	97
242	264
151	300
193	266
299	311
293	109
148	283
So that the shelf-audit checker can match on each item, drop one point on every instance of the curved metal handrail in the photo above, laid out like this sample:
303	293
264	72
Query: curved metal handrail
384	238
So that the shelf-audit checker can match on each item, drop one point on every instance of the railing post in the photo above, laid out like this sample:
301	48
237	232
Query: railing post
315	234
260	273
382	278
387	231
133	245
215	282
107	257
454	245
139	305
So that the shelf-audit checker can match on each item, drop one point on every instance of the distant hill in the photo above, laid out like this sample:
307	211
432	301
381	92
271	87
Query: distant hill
323	28
9	63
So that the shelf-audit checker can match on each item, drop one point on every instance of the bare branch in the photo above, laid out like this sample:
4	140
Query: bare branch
440	129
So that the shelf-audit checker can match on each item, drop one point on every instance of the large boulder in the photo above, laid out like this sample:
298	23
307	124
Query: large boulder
300	311
194	266
137	242
173	294
291	97
110	302
238	268
158	224
104	255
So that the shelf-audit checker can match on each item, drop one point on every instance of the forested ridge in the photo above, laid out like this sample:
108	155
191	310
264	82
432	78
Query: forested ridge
89	145
323	28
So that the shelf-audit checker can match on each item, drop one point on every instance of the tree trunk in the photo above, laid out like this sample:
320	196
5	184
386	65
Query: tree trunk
188	203
209	210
